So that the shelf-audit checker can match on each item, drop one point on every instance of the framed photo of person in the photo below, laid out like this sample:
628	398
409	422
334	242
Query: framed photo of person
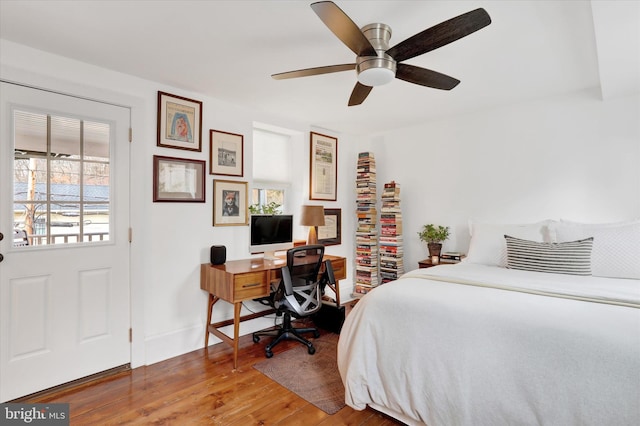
330	234
178	180
230	203
323	169
226	153
179	122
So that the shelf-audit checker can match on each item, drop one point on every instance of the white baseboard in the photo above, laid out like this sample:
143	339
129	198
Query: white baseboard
179	342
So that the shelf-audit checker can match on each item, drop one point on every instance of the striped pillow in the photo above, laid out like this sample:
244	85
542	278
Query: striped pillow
573	258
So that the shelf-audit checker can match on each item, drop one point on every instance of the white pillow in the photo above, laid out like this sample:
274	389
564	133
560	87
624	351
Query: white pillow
488	246
616	246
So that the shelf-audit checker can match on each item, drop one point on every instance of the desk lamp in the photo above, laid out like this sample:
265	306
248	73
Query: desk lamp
312	216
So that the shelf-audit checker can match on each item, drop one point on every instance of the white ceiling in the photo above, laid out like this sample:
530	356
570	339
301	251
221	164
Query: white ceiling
229	49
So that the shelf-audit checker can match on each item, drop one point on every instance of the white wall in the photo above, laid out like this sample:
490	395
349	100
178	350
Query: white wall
573	157
171	240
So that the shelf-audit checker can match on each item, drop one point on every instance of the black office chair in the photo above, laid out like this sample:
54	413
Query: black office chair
298	294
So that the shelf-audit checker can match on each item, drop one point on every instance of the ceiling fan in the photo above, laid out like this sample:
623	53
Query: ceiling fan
376	63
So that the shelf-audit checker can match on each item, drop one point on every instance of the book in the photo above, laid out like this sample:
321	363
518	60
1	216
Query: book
451	256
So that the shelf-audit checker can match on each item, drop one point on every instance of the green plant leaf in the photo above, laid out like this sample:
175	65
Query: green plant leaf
431	233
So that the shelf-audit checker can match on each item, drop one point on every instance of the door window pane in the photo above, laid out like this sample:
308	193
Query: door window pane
65	180
96	181
30	133
65	137
96	141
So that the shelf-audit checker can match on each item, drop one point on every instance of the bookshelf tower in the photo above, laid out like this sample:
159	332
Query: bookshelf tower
366	232
391	251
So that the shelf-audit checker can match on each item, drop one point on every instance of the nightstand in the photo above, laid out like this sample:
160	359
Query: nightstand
426	263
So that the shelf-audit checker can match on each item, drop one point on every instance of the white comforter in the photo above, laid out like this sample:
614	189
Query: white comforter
442	353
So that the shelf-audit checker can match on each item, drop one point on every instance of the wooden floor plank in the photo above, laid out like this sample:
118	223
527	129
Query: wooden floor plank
308	414
271	410
201	387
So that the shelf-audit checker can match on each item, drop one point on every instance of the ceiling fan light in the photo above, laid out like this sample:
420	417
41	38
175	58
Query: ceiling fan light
375	70
376	76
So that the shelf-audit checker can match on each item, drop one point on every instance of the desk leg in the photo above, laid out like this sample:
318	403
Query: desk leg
237	319
336	290
236	332
212	301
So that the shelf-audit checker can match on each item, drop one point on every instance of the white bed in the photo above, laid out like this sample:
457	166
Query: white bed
477	344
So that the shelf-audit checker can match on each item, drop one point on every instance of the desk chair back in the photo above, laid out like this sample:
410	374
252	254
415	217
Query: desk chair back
300	279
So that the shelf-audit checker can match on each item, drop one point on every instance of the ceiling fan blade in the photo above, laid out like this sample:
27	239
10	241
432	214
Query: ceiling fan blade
425	77
359	94
314	71
440	35
344	28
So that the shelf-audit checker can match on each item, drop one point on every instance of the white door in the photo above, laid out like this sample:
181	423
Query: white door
64	291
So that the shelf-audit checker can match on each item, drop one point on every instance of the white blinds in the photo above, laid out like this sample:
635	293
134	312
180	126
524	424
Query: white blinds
271	156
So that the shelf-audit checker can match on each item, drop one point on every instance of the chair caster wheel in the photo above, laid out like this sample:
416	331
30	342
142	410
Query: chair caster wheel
316	334
256	339
268	354
312	350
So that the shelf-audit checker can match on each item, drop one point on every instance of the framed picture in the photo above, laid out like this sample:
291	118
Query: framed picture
323	179
226	153
331	233
230	203
179	122
178	180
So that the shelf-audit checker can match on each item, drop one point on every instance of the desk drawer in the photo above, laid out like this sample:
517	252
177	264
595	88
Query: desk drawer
249	286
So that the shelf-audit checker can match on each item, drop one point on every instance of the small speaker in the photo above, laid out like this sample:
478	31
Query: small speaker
218	255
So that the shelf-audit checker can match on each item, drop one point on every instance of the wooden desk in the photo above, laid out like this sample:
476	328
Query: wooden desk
246	279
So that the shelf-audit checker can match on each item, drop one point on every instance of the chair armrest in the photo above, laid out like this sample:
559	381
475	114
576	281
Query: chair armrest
328	277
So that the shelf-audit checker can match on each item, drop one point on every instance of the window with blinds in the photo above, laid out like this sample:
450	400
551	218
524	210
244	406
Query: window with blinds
271	171
61	190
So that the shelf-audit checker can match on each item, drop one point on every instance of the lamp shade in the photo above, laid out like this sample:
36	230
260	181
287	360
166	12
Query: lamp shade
312	216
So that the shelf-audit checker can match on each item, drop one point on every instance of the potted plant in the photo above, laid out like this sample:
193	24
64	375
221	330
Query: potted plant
271	208
434	236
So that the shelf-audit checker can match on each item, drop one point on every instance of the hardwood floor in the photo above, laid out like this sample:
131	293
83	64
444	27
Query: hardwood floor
200	388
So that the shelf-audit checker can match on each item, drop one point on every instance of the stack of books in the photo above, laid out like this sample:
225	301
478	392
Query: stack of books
366	231
391	251
451	257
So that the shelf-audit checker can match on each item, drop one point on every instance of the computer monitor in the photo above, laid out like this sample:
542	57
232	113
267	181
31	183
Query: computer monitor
270	233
